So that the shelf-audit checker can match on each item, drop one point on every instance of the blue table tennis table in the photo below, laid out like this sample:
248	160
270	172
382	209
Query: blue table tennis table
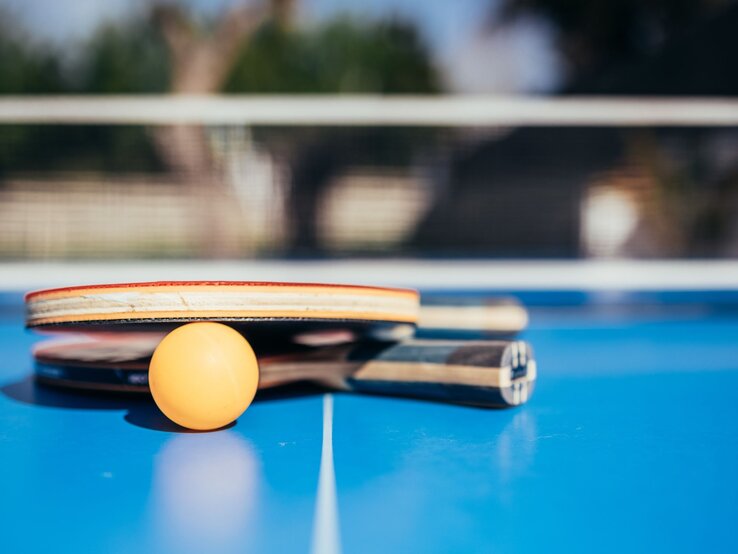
630	443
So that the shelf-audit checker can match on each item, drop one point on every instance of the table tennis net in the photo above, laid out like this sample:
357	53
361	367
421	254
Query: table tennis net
232	178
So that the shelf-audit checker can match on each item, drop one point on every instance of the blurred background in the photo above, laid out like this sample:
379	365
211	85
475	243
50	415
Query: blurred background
85	187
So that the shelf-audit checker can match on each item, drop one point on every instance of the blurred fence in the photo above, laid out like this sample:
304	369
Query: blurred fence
234	177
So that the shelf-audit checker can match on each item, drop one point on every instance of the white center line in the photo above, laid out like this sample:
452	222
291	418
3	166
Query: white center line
326	538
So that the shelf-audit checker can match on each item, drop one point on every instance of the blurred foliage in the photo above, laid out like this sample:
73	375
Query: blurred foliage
88	148
25	67
125	59
596	36
133	57
662	48
339	57
342	56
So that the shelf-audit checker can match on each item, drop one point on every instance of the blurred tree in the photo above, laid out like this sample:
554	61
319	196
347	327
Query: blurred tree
201	54
341	56
25	67
124	59
251	51
128	58
614	47
249	47
599	37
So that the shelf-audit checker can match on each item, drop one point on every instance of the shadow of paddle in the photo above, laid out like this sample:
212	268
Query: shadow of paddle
28	391
141	411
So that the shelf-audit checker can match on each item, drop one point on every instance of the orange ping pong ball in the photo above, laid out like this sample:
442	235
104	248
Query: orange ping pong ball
203	375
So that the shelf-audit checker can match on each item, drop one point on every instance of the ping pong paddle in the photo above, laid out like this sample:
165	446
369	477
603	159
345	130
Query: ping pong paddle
280	317
262	311
265	313
484	373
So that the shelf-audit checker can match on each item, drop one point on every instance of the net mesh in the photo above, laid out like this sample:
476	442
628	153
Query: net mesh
215	182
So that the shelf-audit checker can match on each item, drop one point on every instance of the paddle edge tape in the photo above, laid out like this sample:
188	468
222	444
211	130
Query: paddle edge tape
216	285
225	301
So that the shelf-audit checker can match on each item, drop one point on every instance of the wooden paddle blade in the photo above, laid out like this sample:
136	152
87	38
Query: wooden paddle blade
488	317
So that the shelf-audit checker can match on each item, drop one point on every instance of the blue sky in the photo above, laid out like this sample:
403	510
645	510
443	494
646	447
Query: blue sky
521	58
442	21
